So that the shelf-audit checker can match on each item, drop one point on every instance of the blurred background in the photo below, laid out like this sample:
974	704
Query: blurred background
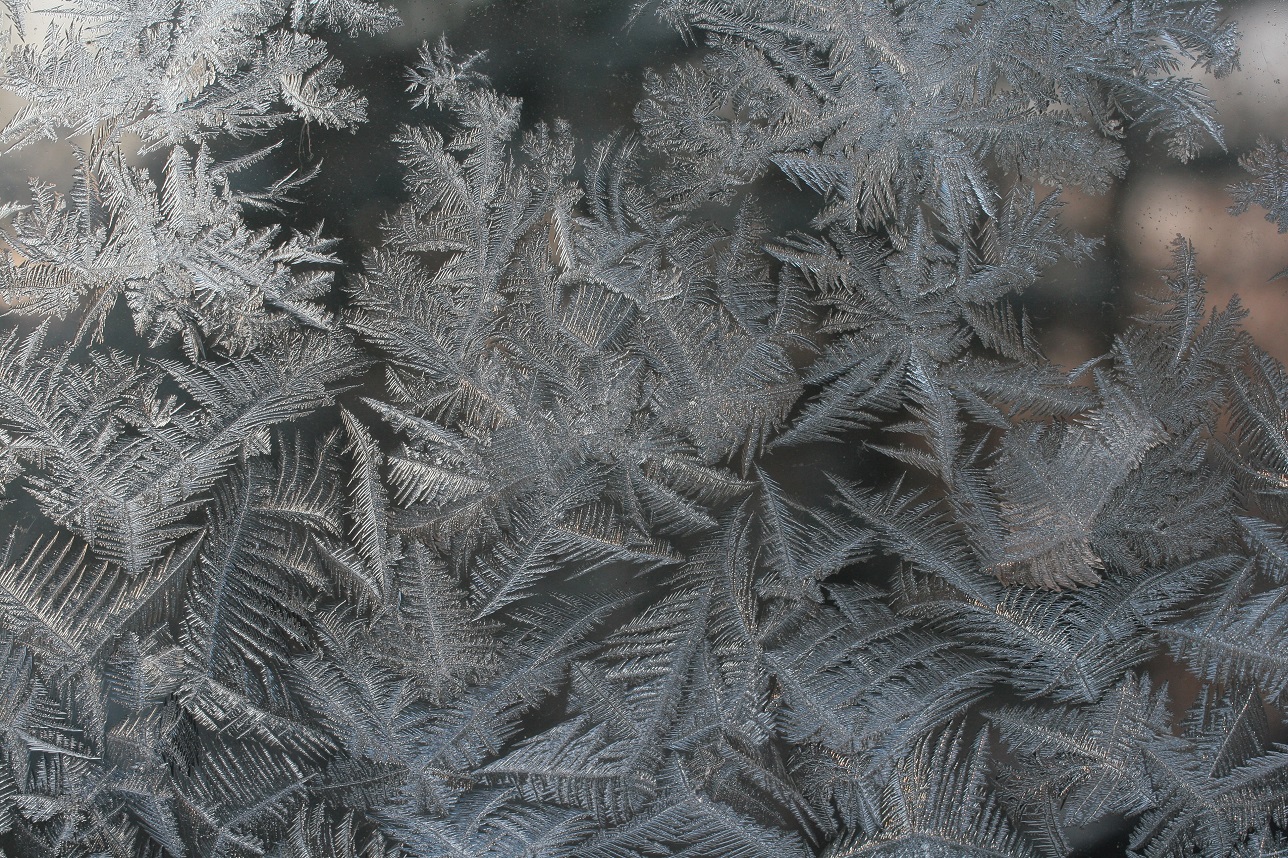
1162	198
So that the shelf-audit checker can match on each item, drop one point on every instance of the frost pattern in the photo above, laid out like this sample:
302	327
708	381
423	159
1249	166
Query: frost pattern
500	544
